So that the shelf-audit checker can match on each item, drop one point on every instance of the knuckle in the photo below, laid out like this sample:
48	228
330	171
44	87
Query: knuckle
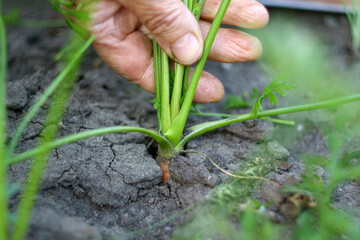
244	50
257	16
164	22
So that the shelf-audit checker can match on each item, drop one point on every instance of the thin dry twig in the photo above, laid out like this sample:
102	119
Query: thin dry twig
231	174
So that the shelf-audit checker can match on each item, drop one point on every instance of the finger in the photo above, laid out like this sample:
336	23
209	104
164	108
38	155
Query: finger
135	65
209	89
231	45
127	51
139	70
172	25
241	13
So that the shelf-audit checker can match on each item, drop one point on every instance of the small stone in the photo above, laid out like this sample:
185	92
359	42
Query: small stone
270	193
48	224
277	151
226	66
68	178
136	165
253	130
284	166
79	191
16	95
164	190
190	171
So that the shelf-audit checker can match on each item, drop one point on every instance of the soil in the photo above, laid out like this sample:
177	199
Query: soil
110	185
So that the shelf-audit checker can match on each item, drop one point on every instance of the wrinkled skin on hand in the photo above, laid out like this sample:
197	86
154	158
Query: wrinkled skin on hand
124	29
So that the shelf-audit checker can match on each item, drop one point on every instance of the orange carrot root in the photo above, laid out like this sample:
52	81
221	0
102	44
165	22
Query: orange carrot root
165	172
164	166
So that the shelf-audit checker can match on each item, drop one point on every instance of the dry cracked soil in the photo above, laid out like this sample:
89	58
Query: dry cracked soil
110	185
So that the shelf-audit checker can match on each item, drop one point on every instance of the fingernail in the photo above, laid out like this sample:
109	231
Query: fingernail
187	49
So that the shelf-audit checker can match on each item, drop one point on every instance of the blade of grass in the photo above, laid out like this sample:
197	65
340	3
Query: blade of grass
3	165
49	132
205	127
49	91
87	134
174	133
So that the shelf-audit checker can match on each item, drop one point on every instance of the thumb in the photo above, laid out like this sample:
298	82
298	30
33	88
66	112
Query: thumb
172	25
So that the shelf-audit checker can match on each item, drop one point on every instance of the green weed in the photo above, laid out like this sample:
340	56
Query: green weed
59	91
278	85
231	212
246	100
353	16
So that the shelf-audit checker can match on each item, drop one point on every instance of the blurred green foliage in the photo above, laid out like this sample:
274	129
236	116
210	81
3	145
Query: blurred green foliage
293	49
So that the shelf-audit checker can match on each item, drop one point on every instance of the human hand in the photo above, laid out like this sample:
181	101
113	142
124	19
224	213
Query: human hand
122	28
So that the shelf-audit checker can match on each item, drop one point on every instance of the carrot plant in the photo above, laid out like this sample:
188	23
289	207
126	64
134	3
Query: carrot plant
174	97
173	104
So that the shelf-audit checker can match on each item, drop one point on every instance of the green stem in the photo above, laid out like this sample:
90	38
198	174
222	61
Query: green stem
3	117
190	4
186	79
165	93
208	126
177	90
180	72
279	121
175	131
224	115
186	3
162	141
205	127
157	76
198	129
198	9
49	91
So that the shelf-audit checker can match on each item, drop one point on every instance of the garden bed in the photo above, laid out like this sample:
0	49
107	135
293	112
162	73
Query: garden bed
109	186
